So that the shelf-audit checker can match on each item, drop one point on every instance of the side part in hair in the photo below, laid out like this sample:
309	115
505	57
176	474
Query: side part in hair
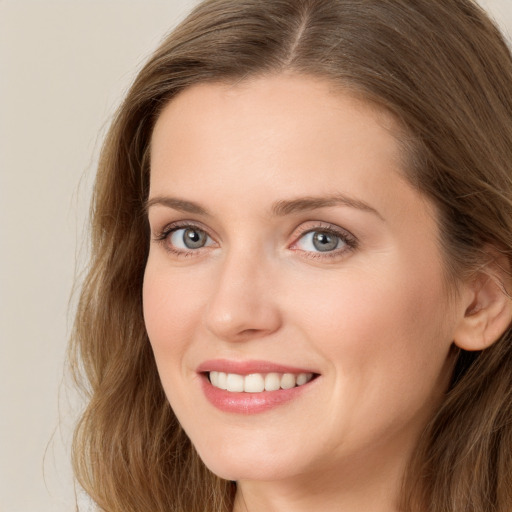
442	68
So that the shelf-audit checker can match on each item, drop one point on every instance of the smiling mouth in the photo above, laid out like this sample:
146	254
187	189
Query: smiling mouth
258	382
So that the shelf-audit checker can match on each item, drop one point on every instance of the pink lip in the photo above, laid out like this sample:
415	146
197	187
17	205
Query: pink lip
247	367
248	403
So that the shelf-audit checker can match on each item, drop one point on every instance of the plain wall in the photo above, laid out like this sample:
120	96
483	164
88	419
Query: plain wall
64	66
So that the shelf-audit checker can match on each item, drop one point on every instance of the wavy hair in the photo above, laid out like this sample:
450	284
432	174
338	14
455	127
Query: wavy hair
444	71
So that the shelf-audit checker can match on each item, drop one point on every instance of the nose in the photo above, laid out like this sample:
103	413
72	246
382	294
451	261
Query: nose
243	303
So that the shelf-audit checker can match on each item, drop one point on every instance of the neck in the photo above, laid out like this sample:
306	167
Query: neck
372	485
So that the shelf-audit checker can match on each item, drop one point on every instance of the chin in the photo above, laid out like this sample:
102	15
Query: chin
236	464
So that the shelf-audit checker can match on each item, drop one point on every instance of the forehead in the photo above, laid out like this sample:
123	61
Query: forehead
280	123
285	94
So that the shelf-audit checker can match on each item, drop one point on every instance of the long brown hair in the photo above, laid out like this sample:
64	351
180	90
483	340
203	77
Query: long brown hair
443	69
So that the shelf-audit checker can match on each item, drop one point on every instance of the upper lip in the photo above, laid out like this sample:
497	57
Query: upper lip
248	367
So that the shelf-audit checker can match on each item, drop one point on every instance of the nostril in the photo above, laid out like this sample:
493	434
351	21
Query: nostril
250	331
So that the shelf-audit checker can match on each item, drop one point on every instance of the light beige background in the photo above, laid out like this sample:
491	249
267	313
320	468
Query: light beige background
64	66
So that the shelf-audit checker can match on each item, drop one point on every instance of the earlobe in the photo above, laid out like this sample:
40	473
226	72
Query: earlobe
489	313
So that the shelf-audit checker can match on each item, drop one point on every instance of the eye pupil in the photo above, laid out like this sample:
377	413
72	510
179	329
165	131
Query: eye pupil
193	238
325	241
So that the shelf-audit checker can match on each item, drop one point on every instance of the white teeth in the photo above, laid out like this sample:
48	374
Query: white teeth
302	378
258	382
214	379
272	382
235	382
222	381
288	381
254	383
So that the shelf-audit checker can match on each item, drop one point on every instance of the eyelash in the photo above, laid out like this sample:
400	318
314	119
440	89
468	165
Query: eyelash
350	241
163	236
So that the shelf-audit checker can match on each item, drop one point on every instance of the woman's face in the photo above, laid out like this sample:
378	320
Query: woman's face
286	245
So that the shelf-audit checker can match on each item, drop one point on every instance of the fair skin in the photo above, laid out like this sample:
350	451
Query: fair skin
349	288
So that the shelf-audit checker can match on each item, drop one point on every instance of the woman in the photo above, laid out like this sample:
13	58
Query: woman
299	290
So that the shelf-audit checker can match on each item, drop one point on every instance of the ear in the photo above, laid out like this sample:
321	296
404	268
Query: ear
489	305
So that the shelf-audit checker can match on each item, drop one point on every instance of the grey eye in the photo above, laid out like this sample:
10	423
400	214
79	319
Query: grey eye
325	241
189	238
320	241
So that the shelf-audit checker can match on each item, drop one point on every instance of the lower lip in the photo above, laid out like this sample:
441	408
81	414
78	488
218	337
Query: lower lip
249	403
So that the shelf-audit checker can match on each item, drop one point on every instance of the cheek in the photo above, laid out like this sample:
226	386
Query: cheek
373	307
382	328
387	351
171	308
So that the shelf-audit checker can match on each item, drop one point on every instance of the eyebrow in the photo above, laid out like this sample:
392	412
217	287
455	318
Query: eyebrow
176	204
302	204
278	209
